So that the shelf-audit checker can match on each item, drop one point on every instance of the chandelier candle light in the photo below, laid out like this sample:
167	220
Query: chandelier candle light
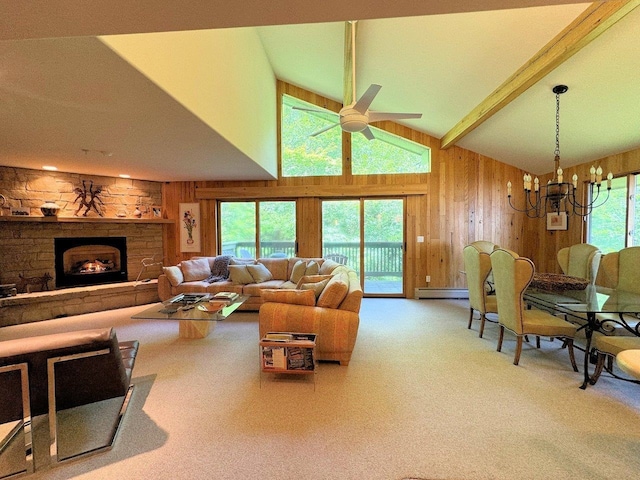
558	196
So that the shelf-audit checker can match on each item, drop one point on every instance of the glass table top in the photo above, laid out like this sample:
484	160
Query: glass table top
593	299
197	308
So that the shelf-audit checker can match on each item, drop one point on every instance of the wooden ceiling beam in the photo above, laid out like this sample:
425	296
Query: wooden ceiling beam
594	21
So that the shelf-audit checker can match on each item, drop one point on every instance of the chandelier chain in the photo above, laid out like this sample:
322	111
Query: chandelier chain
557	151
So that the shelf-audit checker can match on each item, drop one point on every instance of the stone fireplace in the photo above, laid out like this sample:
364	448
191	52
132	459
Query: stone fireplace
81	261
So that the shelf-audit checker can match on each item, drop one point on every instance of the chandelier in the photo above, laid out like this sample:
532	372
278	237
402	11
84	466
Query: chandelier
558	196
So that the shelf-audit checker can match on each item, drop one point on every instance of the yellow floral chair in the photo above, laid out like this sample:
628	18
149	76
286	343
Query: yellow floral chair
477	266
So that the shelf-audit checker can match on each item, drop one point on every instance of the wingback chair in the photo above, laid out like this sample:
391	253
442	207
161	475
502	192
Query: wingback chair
619	270
581	260
629	362
477	265
484	246
512	275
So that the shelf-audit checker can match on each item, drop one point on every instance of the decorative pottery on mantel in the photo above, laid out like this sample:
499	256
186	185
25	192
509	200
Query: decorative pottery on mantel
49	208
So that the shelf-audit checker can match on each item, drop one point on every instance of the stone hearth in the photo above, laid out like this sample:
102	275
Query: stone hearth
33	307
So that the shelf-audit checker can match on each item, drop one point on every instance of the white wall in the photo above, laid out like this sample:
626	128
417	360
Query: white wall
221	76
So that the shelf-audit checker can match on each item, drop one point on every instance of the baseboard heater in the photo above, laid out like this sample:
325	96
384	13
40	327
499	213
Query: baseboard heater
425	292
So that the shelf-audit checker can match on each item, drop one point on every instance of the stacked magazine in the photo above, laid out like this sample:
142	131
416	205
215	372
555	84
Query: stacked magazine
228	296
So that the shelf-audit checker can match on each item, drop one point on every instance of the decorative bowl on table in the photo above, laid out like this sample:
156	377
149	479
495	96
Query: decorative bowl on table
557	281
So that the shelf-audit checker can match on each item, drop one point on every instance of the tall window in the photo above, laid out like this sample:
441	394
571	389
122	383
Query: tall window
616	224
258	228
303	153
388	153
311	145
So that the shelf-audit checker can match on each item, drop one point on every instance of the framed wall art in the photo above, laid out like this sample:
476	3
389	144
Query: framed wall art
190	227
557	221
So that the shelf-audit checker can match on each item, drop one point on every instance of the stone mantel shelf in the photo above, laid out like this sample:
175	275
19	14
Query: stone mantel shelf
29	218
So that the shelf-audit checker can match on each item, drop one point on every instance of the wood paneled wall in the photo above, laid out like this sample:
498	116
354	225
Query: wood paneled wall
464	200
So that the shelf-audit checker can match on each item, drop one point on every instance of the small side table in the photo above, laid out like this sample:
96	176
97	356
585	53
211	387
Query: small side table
288	353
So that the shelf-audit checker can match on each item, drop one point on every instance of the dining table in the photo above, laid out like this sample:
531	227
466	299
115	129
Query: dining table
594	308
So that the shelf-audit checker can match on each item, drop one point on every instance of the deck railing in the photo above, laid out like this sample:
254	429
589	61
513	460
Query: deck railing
381	259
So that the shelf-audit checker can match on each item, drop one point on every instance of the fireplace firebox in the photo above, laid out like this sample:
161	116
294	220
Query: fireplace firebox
81	261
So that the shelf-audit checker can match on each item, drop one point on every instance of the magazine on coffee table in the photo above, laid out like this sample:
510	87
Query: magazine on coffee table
229	296
188	298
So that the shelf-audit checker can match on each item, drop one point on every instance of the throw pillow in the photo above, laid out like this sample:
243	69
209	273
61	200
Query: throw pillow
334	292
239	274
312	268
241	261
316	287
174	274
195	270
259	273
327	266
295	297
313	279
298	271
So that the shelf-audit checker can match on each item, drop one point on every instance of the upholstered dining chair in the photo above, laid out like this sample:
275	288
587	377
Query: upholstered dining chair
512	275
581	260
617	270
608	347
477	266
629	362
484	246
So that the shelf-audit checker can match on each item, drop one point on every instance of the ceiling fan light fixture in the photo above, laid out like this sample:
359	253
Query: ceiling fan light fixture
353	121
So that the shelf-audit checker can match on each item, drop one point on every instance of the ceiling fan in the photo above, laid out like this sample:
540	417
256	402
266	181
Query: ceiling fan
355	116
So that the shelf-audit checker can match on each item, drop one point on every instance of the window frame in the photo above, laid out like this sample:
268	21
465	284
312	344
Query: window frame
632	184
257	238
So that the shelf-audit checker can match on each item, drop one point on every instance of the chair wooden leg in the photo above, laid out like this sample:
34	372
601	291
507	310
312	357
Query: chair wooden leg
568	342
470	317
516	358
537	341
482	320
500	337
598	371
609	363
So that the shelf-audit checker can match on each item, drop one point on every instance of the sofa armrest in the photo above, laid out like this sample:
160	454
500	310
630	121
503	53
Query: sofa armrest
164	288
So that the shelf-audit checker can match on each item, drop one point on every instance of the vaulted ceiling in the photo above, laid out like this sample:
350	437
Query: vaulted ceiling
168	91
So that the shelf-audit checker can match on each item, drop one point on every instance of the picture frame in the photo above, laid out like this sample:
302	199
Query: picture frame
20	211
557	221
189	227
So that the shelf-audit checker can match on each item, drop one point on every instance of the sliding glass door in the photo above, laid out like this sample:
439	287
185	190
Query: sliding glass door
368	236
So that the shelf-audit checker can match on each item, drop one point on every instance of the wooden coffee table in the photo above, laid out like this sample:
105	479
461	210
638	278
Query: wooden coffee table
194	320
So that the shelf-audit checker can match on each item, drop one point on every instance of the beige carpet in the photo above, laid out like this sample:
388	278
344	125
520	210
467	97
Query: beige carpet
423	397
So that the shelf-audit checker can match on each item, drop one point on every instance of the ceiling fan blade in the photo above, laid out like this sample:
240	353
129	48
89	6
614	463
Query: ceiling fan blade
368	133
322	130
362	105
380	116
349	78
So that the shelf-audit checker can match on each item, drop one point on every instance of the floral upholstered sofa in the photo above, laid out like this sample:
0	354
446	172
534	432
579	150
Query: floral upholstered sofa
292	294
